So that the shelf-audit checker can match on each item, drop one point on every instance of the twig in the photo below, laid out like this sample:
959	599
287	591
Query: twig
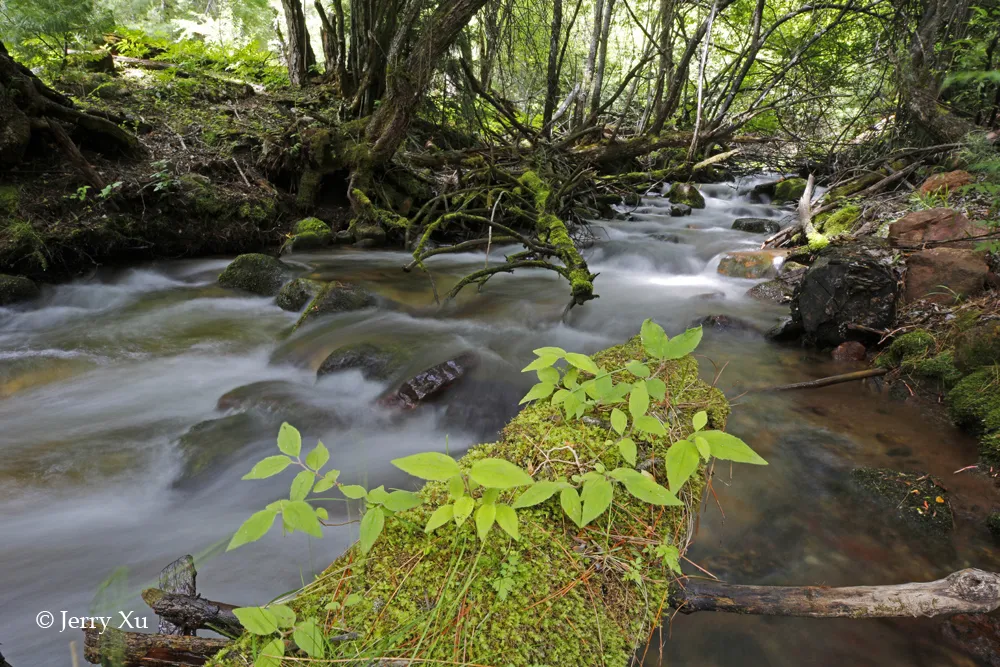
824	382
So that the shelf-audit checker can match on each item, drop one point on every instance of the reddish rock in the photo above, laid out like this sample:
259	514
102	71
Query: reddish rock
950	181
429	383
852	350
935	224
943	274
978	634
755	264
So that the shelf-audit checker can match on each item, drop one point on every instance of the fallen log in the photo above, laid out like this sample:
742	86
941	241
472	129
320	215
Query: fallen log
824	382
135	649
190	613
963	592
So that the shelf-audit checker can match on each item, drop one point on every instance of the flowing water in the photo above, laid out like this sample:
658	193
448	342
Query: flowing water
101	378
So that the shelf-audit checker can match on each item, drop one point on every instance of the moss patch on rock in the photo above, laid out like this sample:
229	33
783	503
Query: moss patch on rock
559	596
789	190
914	498
840	221
16	289
336	297
975	399
256	273
297	293
687	194
10	198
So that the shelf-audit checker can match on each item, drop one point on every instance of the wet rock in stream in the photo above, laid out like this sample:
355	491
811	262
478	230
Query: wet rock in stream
375	362
977	634
16	289
726	323
209	444
337	297
297	294
256	273
756	225
287	400
429	383
753	264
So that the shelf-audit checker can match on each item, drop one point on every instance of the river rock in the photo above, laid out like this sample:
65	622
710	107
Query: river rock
850	350
375	362
754	264
935	225
978	634
16	289
847	284
309	234
337	297
686	194
429	383
725	323
210	443
667	238
296	294
281	399
915	499
679	210
943	275
775	290
756	225
789	190
256	273
949	182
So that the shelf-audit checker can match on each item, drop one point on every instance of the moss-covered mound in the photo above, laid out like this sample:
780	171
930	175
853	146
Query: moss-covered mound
15	289
309	234
975	400
978	346
687	194
789	190
915	353
256	273
840	221
560	595
914	498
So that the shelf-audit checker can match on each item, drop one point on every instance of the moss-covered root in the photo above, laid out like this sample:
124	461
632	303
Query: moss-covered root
372	225
558	596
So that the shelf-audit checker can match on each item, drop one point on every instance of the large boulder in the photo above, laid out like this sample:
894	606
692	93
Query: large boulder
756	225
375	362
753	264
934	225
337	297
296	294
256	273
942	275
947	182
686	194
847	284
16	289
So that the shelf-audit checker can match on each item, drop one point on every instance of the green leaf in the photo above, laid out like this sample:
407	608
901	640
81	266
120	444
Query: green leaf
271	654
538	493
490	495
378	495
544	351
441	516
354	491
559	396
463	508
627	448
683	345
432	466
654	338
269	467
327	482
538	392
499	474
657	388
302	485
301	516
289	440
572	403
619	422
544	361
583	362
671	556
284	614
699	420
400	501
703	447
605	387
646	490
309	637
549	374
730	448
371	527
353	599
318	457
649	424
637	369
322	513
638	400
682	460
569	379
507	520
596	496
456	487
257	620
570	501
590	388
253	528
485	516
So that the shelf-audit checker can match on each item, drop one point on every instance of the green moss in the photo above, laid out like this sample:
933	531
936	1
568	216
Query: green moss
539	189
559	596
336	297
978	346
914	498
817	242
686	193
940	367
975	397
10	199
256	273
374	223
917	343
26	244
313	225
789	190
993	524
309	184
989	451
853	186
15	289
297	293
840	221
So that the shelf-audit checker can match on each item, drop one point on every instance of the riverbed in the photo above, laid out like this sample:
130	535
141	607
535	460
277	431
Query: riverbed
102	378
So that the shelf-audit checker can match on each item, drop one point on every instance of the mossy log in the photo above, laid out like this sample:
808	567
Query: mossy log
558	596
131	649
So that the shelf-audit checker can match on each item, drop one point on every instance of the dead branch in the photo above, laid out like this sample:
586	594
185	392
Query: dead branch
824	382
191	612
134	649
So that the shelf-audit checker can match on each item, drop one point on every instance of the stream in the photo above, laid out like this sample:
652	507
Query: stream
101	378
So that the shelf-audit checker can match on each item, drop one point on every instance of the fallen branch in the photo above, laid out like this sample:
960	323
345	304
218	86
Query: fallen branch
824	382
135	649
963	592
191	612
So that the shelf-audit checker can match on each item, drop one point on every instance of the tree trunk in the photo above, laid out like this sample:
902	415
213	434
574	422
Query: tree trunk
588	68
297	50
602	57
963	592
552	74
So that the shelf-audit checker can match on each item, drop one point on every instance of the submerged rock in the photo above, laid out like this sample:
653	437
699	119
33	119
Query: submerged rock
287	400
337	297
16	289
754	264
851	350
374	362
777	290
296	294
944	275
679	210
429	383
756	225
256	273
210	443
686	194
915	499
726	323
667	238
978	634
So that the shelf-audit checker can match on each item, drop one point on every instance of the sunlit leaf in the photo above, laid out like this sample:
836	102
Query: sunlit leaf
654	338
485	516
318	457
289	440
507	520
354	491
327	482
301	516
543	361
649	424
463	508
499	474
569	499
730	448
371	527
538	493
538	392
583	362
700	420
441	516
681	460
432	466
271	654
619	422
253	528
302	485
682	345
309	637
638	400
637	369
268	467
400	501
596	496
257	620
628	450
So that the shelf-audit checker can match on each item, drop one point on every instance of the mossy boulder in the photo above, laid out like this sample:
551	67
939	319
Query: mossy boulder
256	273
913	498
686	194
917	343
309	234
336	297
978	346
976	399
376	362
789	190
297	293
840	221
311	225
557	596
16	289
